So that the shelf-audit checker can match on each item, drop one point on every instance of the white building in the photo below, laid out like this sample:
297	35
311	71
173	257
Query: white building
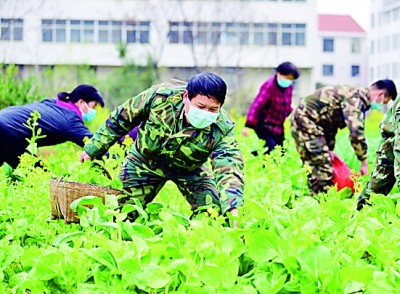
242	40
343	47
384	40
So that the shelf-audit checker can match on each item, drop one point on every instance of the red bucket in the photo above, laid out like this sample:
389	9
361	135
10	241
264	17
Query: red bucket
341	173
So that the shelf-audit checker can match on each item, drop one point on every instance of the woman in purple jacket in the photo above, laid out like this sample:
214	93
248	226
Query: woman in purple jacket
271	106
61	119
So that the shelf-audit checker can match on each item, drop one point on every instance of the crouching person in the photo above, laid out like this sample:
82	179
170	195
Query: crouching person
181	126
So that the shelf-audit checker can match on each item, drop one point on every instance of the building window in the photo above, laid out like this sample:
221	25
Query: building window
76	31
355	70
11	29
272	34
216	31
386	44
396	69
386	17
396	41
327	70
386	69
88	31
328	45
293	34
95	31
138	32
47	30
60	30
180	32
202	33
355	45
235	33
104	31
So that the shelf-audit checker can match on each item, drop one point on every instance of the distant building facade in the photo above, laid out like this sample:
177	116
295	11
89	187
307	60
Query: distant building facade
343	51
384	40
241	40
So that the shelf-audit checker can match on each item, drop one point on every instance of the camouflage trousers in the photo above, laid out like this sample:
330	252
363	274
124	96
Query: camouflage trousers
383	175
143	179
314	152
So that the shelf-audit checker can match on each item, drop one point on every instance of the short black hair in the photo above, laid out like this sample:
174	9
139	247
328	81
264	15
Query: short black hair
207	84
388	86
288	68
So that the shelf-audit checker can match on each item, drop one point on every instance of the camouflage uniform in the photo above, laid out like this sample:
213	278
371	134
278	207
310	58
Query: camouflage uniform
386	168
315	123
167	148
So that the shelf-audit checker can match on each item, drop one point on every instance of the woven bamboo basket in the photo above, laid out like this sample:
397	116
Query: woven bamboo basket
63	193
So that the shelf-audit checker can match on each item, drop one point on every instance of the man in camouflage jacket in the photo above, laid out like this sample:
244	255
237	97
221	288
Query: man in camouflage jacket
386	170
317	119
182	126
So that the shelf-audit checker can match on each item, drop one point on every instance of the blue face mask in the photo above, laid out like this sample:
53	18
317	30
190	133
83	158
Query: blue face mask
90	115
284	83
199	118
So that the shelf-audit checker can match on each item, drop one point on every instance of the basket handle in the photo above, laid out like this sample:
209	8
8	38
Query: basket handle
101	166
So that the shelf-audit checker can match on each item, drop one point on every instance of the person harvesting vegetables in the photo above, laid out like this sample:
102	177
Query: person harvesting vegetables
181	127
271	106
318	117
61	119
386	171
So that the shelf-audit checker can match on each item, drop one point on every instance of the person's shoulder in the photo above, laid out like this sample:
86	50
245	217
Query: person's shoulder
170	87
394	106
348	87
169	92
347	90
48	101
224	122
270	82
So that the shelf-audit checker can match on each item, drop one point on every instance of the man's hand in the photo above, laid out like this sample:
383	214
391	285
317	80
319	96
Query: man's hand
234	212
364	167
245	132
84	156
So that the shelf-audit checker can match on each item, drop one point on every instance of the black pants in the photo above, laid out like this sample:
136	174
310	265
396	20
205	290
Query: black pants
10	153
271	141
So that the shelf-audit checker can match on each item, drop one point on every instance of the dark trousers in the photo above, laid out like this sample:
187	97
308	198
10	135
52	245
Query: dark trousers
10	152
271	141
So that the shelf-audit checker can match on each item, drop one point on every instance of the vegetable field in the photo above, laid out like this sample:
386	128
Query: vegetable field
286	241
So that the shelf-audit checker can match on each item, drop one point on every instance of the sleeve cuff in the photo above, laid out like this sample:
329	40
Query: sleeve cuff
230	203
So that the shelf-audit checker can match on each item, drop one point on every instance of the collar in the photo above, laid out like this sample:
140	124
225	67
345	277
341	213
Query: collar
69	105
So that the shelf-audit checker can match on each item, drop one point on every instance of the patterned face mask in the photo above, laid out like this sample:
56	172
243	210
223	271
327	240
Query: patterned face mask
199	118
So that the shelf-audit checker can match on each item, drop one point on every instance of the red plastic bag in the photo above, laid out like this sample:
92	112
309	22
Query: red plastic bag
341	173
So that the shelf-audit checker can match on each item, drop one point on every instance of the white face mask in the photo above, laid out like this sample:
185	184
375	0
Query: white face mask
199	118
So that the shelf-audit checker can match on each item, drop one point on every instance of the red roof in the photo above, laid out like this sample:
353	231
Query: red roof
338	23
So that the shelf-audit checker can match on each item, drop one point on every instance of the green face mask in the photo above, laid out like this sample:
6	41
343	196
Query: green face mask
284	83
376	106
199	118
